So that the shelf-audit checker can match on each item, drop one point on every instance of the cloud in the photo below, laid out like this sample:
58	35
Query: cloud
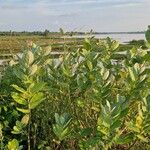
68	2
96	14
12	7
87	2
45	5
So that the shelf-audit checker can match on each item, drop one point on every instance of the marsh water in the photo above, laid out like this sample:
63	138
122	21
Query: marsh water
121	37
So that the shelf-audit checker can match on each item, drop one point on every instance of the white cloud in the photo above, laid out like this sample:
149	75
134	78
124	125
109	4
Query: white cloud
97	14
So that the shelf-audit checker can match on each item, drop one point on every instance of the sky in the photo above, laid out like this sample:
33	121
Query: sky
75	15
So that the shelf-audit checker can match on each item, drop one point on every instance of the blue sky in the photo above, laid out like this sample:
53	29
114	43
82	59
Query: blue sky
76	15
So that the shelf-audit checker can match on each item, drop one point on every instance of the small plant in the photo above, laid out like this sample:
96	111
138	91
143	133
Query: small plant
61	127
30	95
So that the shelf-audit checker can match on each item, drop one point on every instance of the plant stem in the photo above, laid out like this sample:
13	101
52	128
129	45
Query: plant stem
29	126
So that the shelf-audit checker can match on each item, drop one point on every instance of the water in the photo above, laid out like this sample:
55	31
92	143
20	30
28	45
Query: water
122	38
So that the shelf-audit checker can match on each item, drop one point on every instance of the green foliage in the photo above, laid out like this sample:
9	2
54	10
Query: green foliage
101	98
14	145
61	128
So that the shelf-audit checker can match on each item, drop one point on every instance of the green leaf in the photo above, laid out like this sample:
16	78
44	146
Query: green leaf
90	65
19	73
66	71
124	112
116	125
25	119
16	129
36	100
114	45
29	57
132	127
85	52
80	103
106	75
147	57
147	35
15	132
25	111
19	99
57	118
108	105
142	138
64	134
132	73
33	69
18	88
125	139
87	44
13	145
86	132
37	87
61	128
61	132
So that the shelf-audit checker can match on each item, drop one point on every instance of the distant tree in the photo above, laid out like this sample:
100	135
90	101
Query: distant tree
13	33
46	32
61	31
10	33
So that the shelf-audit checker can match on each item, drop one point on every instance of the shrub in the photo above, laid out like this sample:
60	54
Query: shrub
86	99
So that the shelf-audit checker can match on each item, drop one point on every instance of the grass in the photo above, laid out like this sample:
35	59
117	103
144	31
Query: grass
16	43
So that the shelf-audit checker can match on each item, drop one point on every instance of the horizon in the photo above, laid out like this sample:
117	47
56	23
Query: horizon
74	15
107	32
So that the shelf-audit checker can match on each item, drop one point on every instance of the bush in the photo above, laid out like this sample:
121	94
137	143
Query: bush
84	100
